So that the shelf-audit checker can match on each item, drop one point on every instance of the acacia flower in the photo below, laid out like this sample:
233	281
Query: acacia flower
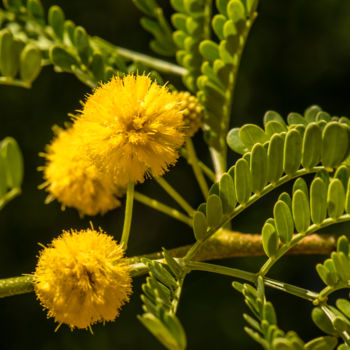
82	278
134	128
192	111
73	179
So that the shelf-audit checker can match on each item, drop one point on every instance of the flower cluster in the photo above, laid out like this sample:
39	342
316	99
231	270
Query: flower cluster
82	278
74	180
128	129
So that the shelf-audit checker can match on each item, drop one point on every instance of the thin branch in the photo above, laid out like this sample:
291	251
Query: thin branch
156	63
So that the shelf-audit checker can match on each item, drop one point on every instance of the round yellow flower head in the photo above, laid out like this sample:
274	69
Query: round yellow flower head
73	179
192	111
134	128
82	278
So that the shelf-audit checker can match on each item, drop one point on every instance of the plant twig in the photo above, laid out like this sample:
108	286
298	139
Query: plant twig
193	160
175	195
153	203
128	215
156	63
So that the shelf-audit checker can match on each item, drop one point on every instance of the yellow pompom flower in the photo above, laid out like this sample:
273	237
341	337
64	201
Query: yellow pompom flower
134	127
82	278
192	111
73	179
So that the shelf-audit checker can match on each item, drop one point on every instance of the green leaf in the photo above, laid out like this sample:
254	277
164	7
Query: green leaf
311	113
285	197
322	321
269	313
243	181
250	134
222	6
311	150
342	265
13	5
323	116
30	63
322	343
282	344
13	162
163	333
344	306
209	50
36	10
147	6
236	11
175	268
318	200
335	198
9	57
258	162
269	239
342	173
275	159
82	44
324	274
200	225
218	23
301	211
273	116
62	58
334	144
234	142
274	127
292	152
341	324
227	193
300	184
214	210
296	118
343	245
56	20
179	21
98	66
284	221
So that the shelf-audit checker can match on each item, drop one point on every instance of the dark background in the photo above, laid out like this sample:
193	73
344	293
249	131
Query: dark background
298	54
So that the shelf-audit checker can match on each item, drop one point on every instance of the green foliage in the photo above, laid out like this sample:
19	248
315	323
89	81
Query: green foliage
162	291
11	170
191	21
19	62
263	326
158	26
335	271
303	136
221	60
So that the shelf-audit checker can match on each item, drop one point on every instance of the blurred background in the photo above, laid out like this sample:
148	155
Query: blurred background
298	54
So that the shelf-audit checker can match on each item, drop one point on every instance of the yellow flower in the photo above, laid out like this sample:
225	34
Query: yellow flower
73	179
192	111
133	127
82	278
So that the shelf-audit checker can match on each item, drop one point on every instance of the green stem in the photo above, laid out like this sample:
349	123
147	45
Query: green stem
329	313
16	285
128	215
219	161
192	252
251	277
206	170
193	160
9	196
153	203
298	237
159	65
175	195
14	82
